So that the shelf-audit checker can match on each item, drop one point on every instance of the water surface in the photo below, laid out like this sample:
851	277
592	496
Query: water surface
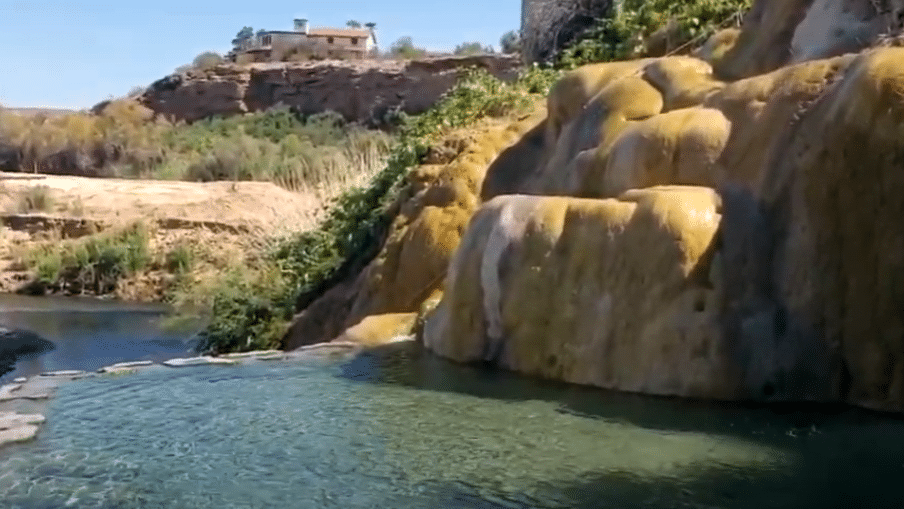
90	333
399	428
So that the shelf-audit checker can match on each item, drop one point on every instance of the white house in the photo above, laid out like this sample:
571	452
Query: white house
349	43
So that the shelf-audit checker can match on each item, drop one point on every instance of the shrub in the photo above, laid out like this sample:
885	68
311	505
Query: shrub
510	42
36	198
94	264
472	48
207	60
626	33
404	48
180	259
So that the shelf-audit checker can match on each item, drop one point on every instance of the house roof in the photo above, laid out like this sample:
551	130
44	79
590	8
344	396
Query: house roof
338	32
286	32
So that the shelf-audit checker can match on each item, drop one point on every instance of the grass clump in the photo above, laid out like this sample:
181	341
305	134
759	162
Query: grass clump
36	199
180	260
630	30
93	264
253	313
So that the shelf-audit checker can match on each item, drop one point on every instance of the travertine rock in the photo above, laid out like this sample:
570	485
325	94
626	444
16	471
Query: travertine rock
615	293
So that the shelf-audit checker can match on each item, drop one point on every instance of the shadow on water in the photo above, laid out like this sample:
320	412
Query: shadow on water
708	487
840	456
410	365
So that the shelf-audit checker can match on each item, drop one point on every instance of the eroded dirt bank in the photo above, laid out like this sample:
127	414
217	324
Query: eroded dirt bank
218	225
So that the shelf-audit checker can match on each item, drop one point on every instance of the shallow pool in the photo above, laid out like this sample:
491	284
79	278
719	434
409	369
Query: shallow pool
90	333
400	428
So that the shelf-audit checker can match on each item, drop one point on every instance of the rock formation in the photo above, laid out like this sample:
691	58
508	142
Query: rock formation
362	91
664	229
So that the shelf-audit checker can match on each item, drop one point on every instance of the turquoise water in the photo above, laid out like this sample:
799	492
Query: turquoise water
400	428
89	333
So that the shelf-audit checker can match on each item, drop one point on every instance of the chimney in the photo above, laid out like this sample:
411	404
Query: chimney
301	25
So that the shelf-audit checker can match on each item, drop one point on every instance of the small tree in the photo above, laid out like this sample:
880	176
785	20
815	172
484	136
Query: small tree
404	48
472	48
353	24
207	60
510	42
243	36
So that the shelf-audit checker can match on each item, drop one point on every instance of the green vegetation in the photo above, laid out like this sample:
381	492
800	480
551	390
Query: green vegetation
251	311
36	199
314	153
510	42
207	60
630	31
243	36
472	48
93	264
180	259
404	48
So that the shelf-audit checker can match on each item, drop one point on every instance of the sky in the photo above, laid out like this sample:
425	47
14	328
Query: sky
74	54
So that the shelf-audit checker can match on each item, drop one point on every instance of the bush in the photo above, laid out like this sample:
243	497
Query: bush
510	42
627	32
37	198
180	259
472	48
94	264
207	60
404	48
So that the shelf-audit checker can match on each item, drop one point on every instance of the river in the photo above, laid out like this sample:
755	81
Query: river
399	428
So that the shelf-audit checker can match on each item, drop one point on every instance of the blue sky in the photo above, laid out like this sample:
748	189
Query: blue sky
73	54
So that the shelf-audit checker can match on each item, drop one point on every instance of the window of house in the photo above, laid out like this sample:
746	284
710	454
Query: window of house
267	40
329	40
354	41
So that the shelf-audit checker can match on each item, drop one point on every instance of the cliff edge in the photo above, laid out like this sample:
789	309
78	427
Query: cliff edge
361	91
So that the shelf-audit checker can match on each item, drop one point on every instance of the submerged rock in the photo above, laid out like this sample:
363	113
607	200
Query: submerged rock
64	373
18	427
197	361
14	343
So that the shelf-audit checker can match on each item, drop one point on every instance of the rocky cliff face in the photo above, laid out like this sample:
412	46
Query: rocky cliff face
362	91
662	229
